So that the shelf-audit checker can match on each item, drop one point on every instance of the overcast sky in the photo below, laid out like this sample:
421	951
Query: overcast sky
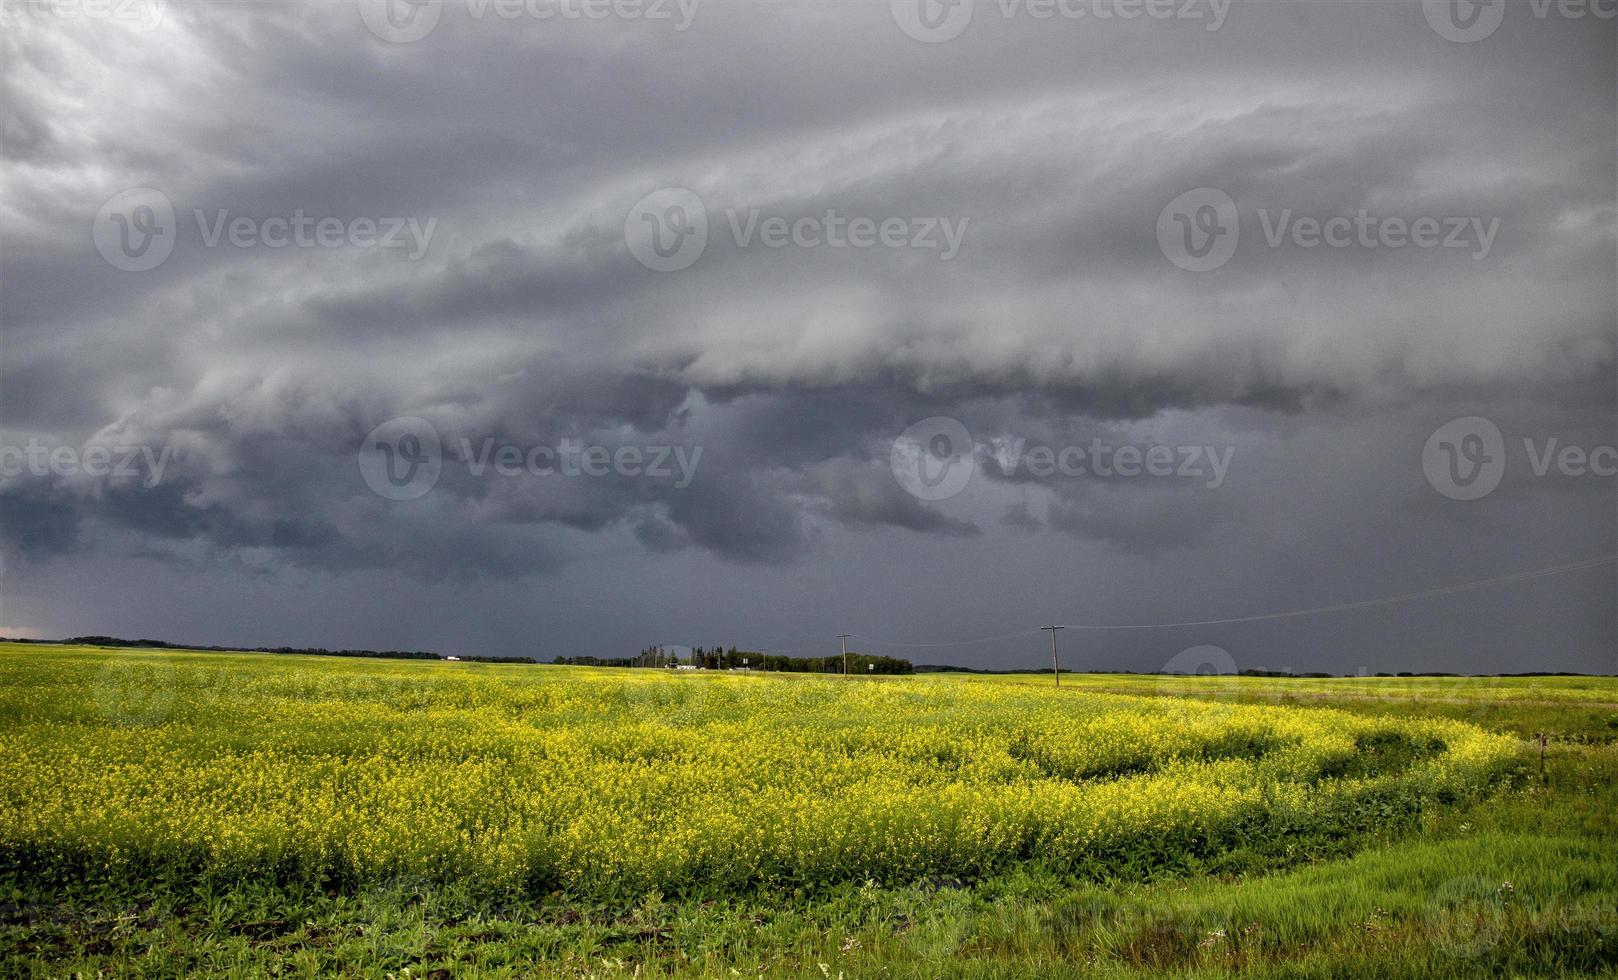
561	328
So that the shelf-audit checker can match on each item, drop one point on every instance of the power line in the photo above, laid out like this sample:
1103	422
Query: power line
1384	601
1292	613
954	643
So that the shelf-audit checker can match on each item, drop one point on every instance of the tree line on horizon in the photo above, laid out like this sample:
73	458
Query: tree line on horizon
719	658
118	641
734	658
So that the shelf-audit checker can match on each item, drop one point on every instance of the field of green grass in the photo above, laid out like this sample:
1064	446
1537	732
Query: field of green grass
168	813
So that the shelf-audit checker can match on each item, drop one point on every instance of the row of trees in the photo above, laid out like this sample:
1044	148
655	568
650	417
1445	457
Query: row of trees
118	641
732	658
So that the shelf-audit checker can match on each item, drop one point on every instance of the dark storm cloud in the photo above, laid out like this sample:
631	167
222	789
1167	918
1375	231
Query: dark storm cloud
1052	147
40	520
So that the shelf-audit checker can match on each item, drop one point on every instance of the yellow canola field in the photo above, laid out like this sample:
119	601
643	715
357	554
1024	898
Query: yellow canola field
590	780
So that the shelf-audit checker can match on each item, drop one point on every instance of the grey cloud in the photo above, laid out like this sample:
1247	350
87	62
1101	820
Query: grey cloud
529	321
868	495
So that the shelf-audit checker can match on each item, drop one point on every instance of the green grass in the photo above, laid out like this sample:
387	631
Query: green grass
1524	882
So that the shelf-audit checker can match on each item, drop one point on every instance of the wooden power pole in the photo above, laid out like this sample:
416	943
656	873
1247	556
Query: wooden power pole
1056	667
844	637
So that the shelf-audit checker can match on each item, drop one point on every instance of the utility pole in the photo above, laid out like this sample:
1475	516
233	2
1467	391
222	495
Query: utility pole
1056	667
844	637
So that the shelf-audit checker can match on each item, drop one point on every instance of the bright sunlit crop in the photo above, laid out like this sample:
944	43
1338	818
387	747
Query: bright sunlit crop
601	781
